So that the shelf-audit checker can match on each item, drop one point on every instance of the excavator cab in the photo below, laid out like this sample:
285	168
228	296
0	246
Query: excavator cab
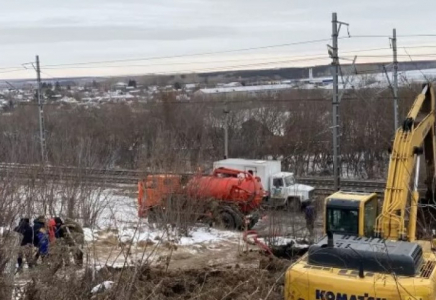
351	213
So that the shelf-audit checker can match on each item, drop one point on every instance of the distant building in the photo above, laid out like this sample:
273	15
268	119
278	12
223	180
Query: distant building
121	86
191	86
244	91
231	84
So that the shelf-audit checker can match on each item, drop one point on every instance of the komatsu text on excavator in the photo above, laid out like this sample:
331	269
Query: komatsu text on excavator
368	254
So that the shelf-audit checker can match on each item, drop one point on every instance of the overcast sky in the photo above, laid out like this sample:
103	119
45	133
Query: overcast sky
70	32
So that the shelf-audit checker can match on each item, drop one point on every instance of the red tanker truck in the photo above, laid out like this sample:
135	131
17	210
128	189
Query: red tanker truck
232	196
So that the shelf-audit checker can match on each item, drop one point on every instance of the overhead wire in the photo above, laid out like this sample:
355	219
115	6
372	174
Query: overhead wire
195	54
230	51
405	50
11	71
82	64
297	58
235	67
313	57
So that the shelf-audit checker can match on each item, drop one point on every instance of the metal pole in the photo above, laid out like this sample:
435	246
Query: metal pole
226	132
395	75
41	113
335	104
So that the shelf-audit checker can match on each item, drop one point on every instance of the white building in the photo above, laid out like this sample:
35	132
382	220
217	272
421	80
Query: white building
245	91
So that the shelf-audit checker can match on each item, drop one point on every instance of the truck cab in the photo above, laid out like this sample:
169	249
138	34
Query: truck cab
286	192
351	213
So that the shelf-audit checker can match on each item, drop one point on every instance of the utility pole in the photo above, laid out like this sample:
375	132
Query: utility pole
395	78
41	114
333	51
226	131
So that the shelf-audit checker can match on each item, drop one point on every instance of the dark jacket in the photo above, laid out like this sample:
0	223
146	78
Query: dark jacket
26	231
310	213
58	229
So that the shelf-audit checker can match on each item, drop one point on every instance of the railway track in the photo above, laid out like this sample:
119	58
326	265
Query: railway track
110	176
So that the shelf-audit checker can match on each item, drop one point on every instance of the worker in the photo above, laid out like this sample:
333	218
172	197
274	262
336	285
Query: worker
59	249
51	230
310	215
75	238
43	242
58	225
38	223
26	245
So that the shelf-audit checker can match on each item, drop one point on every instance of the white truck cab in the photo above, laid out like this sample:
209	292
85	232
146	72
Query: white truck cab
286	192
282	190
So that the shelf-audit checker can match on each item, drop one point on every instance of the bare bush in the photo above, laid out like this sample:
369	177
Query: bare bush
144	282
168	134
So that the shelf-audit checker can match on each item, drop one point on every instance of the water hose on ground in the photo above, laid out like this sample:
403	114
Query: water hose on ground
255	241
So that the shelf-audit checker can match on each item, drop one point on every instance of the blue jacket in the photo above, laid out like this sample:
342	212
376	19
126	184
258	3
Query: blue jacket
42	243
36	227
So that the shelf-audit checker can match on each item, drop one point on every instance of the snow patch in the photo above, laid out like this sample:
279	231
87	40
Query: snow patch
106	285
89	234
198	235
282	240
207	235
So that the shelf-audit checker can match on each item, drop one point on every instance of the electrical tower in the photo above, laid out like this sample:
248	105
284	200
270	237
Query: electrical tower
226	112
334	54
395	78
41	114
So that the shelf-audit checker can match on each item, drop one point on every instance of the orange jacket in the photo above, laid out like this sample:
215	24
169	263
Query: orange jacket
51	230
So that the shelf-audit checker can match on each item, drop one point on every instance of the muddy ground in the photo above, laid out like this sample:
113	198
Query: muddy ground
225	268
265	281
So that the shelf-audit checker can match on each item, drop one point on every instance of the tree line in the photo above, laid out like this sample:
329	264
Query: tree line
181	136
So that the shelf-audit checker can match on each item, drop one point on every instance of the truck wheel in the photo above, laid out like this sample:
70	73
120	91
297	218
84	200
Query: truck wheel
230	218
227	220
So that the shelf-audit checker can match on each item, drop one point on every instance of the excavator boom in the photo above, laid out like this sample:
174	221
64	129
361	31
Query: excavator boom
414	138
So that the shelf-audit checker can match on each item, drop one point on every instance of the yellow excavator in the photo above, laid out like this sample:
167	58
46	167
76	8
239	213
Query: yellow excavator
372	255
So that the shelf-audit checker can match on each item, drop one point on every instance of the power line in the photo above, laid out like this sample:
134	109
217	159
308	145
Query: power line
417	35
234	50
219	52
195	54
303	58
402	55
297	58
388	36
405	50
228	68
225	68
366	36
236	68
11	71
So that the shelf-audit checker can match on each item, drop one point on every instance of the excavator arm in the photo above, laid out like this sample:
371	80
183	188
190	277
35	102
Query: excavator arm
415	137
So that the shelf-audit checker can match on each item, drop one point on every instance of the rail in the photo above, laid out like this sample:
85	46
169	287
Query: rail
121	176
